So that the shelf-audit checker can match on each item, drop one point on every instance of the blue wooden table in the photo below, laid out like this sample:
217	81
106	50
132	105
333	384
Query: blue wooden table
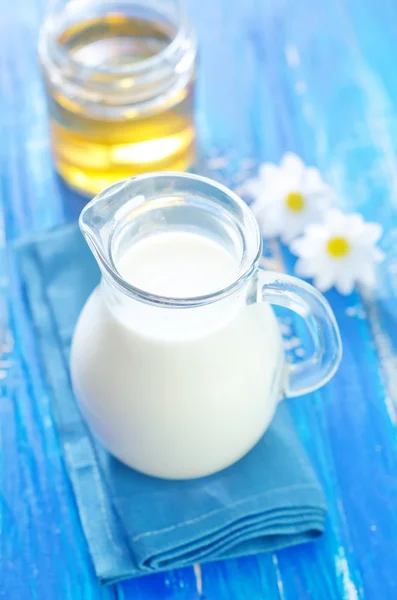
317	78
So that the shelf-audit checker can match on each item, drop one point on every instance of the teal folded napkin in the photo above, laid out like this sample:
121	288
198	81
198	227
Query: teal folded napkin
135	524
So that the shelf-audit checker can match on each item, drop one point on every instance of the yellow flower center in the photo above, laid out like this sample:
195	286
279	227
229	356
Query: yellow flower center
338	247
295	201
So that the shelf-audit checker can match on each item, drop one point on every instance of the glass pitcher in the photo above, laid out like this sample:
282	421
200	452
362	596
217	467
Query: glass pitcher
180	382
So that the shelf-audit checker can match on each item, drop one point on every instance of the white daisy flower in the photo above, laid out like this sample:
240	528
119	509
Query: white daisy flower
288	197
340	252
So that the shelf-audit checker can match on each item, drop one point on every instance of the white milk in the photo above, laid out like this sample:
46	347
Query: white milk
178	265
177	392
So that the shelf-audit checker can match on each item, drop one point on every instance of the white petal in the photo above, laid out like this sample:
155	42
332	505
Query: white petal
345	282
291	227
355	220
314	186
315	209
305	267
265	206
253	187
378	255
373	232
293	169
258	206
308	245
269	225
363	252
280	191
265	203
334	219
324	280
297	222
301	247
353	226
367	276
316	232
313	181
270	174
319	203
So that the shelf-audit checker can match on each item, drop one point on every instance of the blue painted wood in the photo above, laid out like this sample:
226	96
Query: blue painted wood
315	78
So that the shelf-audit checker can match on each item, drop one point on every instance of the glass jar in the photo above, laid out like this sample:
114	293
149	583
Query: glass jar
119	76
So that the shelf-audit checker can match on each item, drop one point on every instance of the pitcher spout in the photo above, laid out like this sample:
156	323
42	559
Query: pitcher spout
100	217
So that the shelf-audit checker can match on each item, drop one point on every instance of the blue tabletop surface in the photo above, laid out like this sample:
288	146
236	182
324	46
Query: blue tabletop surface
317	78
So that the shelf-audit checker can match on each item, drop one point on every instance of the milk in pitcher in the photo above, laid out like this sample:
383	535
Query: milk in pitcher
177	373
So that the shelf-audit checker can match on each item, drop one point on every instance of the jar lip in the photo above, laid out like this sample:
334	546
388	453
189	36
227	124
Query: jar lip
113	277
50	31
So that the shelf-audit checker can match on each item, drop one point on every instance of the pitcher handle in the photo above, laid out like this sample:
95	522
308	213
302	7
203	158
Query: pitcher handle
306	301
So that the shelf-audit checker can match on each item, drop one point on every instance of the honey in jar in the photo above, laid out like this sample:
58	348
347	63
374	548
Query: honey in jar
120	79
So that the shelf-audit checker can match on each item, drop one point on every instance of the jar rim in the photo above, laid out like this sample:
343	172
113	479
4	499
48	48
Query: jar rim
50	31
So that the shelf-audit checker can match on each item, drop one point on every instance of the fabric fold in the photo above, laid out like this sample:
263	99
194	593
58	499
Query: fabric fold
134	524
